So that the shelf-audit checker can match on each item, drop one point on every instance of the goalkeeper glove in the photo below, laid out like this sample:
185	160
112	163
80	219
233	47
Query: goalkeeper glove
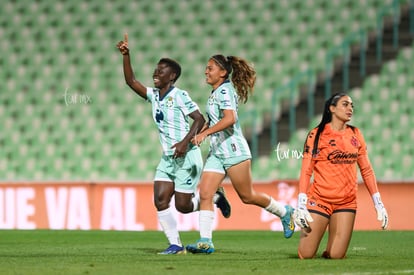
301	214
382	214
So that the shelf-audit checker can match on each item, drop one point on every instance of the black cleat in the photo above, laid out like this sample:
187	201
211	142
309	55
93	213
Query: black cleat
222	203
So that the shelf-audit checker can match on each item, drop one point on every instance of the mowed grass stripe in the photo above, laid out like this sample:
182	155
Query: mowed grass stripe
237	252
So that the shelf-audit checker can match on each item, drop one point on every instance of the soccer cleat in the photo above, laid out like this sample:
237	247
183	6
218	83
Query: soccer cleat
287	222
222	202
203	245
326	255
173	249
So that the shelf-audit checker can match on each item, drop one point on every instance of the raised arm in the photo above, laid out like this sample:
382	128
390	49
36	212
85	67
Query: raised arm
129	76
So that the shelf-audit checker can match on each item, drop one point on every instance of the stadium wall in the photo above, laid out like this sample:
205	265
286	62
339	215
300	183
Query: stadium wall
127	206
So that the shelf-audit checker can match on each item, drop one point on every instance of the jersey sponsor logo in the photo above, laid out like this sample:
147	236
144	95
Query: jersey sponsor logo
211	100
159	116
226	103
190	105
323	207
341	157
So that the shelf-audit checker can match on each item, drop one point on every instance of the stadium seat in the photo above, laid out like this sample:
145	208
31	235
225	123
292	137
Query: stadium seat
70	46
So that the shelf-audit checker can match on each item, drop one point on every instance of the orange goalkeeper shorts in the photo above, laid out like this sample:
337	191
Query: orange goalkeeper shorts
326	209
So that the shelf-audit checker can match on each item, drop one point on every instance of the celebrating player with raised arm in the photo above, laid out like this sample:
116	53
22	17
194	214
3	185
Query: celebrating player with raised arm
179	170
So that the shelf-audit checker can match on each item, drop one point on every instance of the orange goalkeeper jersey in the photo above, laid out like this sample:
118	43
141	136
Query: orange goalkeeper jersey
334	166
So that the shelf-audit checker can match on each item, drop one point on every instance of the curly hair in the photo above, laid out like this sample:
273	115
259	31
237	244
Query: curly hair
243	75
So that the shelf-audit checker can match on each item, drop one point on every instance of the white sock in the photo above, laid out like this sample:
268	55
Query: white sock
276	208
196	202
206	223
169	226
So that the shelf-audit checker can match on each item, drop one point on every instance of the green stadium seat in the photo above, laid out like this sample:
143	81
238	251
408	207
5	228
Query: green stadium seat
71	46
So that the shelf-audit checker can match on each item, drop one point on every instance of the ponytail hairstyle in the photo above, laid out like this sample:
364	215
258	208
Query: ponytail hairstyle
243	75
326	118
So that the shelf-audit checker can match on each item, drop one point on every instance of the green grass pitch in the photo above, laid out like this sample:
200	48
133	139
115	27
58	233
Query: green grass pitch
237	252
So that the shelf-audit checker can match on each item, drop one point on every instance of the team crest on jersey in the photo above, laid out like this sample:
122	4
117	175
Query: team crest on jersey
169	102
355	142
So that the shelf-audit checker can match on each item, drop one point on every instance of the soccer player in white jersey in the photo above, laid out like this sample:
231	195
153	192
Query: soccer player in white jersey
179	170
229	152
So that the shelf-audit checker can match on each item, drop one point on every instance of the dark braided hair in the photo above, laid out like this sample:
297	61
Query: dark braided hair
326	118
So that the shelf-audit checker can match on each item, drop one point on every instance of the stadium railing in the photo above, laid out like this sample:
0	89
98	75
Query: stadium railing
290	89
388	10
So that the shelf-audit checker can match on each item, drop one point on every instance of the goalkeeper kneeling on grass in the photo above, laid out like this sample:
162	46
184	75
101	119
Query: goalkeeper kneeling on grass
332	151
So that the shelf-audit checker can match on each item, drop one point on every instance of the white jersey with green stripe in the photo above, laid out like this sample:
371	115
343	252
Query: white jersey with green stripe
230	142
170	113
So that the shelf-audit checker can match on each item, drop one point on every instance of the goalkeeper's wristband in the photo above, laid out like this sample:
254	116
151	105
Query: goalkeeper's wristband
377	200
302	199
